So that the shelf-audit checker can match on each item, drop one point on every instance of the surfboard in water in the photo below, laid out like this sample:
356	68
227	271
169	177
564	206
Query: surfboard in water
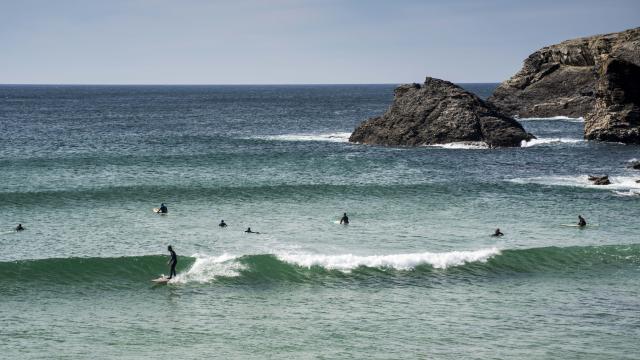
578	226
161	280
157	211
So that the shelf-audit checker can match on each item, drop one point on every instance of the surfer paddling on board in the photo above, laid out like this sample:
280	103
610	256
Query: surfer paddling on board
345	219
581	221
172	262
163	209
222	224
19	227
248	231
498	233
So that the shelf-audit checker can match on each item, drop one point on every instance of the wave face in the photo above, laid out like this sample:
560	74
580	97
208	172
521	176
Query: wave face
313	268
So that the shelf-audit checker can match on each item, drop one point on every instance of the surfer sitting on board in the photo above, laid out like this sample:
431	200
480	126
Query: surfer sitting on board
222	224
498	233
581	221
345	219
251	232
172	262
163	209
19	227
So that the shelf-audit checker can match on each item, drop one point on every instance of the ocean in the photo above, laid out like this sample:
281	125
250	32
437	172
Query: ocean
415	275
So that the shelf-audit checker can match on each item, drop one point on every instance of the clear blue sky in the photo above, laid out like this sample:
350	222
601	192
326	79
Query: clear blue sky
287	41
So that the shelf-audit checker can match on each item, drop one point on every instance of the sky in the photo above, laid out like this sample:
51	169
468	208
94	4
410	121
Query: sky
288	41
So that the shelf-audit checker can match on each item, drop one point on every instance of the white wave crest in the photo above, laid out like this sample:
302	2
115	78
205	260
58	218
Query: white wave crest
549	141
339	137
398	261
473	145
207	268
617	182
563	118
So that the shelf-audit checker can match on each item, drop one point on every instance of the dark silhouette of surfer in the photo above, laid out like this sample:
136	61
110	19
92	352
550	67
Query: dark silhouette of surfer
581	221
163	209
172	262
20	227
248	231
345	219
222	224
498	233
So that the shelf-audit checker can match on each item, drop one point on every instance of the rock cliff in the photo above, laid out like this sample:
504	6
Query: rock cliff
439	112
616	115
563	79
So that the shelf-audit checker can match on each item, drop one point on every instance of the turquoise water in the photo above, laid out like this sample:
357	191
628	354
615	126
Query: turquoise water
415	274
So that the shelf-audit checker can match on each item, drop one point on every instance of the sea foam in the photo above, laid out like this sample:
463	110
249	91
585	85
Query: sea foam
339	137
466	145
408	261
562	118
617	182
549	141
207	268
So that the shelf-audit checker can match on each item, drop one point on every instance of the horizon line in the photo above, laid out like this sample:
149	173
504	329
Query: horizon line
227	84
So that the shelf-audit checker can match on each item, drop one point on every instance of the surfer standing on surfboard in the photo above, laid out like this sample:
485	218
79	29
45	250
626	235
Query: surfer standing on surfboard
172	262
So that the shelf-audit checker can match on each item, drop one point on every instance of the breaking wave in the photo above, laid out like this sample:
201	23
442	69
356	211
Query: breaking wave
132	272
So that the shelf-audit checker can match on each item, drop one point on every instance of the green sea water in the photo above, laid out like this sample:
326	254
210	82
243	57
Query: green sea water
414	275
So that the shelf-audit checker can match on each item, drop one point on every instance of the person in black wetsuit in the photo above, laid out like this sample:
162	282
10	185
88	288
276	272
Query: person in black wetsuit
222	224
498	233
345	219
19	227
163	209
581	221
172	262
248	231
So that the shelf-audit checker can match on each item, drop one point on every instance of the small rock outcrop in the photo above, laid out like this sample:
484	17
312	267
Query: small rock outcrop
635	165
616	116
439	112
600	180
563	79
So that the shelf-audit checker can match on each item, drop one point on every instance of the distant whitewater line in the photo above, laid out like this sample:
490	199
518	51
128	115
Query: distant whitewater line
338	137
116	273
617	182
550	141
465	145
563	118
343	137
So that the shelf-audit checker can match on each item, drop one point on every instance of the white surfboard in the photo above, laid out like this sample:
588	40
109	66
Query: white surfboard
161	280
576	225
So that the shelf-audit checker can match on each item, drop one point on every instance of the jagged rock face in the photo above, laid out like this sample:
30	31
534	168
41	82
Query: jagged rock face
439	112
616	116
562	79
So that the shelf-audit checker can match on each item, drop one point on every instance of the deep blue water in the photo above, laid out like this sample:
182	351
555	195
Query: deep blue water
414	275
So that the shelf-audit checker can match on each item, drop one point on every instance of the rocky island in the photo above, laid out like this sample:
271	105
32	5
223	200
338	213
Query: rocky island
594	77
439	112
561	79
